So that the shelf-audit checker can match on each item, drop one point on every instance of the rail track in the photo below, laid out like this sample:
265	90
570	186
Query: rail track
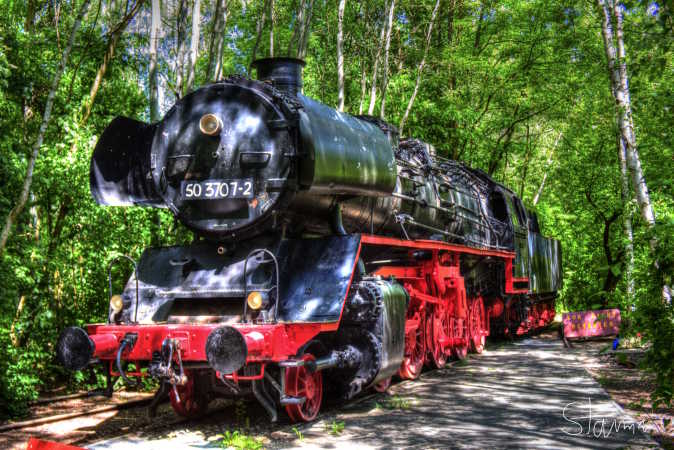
67	416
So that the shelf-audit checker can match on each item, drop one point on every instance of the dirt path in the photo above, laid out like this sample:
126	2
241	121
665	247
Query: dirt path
515	395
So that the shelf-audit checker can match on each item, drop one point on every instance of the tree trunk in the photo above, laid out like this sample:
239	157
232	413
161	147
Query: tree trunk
306	32
618	72
155	31
181	29
258	30
375	68
617	66
539	192
217	41
194	46
387	47
297	29
627	220
109	54
340	55
420	70
271	28
363	85
28	180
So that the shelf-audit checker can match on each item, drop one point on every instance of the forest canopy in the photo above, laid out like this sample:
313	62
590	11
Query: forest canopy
569	103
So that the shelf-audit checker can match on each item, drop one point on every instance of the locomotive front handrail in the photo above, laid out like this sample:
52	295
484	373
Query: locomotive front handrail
135	275
245	282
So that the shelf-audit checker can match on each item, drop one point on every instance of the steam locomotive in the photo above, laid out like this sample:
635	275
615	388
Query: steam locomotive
331	253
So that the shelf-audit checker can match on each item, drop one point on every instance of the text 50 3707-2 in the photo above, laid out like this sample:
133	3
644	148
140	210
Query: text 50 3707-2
216	189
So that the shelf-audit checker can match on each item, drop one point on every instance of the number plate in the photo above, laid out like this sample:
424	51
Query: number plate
216	189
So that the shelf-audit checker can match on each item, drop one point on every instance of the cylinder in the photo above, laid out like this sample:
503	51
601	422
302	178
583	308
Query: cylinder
104	344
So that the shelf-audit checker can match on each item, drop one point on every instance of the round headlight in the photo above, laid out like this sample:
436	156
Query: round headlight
254	300
116	303
210	124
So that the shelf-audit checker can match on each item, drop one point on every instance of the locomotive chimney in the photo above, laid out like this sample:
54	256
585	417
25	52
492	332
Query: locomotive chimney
285	74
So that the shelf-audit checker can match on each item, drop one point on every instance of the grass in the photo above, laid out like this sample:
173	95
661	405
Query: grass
334	428
298	433
239	441
394	402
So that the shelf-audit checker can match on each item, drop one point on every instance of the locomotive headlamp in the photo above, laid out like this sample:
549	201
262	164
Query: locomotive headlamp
116	303
254	300
210	124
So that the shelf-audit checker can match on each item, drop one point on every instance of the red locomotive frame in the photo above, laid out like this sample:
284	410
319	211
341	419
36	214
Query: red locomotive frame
441	322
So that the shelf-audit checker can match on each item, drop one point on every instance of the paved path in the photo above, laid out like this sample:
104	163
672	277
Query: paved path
513	396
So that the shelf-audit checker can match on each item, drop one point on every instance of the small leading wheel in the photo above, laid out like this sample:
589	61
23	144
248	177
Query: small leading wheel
191	401
300	382
415	351
459	350
477	325
383	385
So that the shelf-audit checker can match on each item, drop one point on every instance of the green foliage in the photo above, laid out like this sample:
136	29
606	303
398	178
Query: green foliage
334	428
394	402
239	441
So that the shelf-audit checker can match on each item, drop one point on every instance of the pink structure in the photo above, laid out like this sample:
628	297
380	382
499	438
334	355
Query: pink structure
603	322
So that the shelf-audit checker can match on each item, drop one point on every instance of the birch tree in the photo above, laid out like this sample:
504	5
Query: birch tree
626	197
614	47
258	30
618	73
375	67
194	46
217	44
181	53
271	28
113	39
420	69
155	32
46	118
387	46
548	165
306	31
340	55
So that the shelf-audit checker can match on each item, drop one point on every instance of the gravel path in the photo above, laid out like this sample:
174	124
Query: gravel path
529	394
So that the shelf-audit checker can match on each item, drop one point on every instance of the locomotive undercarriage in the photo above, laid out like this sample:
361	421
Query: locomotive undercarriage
407	304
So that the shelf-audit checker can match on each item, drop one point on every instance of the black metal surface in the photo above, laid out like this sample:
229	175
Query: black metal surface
316	274
285	74
250	112
342	154
74	348
226	350
120	164
204	273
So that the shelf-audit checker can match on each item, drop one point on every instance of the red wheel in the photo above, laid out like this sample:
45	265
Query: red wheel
477	325
383	385
300	382
190	401
460	337
438	332
415	350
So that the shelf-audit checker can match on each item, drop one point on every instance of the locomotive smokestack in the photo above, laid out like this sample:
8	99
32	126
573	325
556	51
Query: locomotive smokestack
285	74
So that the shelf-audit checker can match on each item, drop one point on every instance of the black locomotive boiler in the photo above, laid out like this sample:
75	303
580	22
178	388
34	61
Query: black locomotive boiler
331	254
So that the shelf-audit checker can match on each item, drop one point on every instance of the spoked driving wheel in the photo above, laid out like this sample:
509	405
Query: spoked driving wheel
438	331
477	325
460	338
301	382
190	400
415	350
